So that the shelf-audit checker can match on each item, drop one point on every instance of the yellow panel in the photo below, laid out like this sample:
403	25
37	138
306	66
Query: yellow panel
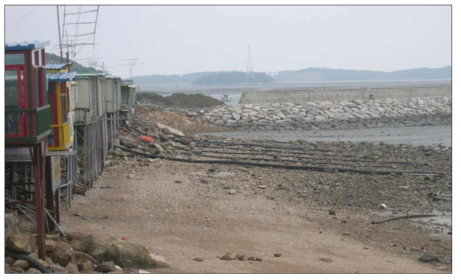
65	139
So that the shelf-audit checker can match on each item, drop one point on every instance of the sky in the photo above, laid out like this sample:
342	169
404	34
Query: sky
186	39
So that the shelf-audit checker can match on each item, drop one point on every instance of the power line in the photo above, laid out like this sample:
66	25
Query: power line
9	27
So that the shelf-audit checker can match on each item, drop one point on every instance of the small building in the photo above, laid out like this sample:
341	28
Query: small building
113	104
91	126
27	114
61	102
128	99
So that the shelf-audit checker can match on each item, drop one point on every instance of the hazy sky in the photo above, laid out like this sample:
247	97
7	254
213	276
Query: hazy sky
179	40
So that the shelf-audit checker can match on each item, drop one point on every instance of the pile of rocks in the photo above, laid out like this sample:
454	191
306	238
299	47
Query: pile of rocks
75	253
315	114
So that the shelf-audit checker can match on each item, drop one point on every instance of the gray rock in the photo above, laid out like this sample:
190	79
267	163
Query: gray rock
228	257
226	117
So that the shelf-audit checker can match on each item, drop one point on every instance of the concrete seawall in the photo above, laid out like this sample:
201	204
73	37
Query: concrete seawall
327	114
334	94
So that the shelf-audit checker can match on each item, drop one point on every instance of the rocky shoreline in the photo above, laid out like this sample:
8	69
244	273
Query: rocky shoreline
330	115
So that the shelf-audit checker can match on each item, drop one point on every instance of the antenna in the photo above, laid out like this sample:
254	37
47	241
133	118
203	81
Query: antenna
250	73
59	33
83	24
132	64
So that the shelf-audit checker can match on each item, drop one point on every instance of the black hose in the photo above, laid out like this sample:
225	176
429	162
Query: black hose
294	167
32	262
278	155
406	217
276	160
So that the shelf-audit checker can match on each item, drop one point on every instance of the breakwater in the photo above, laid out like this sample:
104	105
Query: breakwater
344	94
333	114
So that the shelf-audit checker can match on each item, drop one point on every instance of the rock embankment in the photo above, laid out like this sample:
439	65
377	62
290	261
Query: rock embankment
338	114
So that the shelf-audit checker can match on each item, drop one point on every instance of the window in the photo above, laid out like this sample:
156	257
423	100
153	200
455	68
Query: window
14	58
13	95
11	89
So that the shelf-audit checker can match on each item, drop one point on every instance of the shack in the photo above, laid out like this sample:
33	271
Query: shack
27	126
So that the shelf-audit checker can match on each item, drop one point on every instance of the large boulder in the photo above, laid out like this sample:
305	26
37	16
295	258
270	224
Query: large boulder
171	130
22	264
80	257
106	267
72	268
22	243
11	225
50	245
98	244
62	254
57	268
78	245
127	254
85	266
33	271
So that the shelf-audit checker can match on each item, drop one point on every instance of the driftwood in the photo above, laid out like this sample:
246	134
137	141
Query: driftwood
406	217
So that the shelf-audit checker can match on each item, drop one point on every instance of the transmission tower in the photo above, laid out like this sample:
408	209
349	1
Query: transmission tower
250	73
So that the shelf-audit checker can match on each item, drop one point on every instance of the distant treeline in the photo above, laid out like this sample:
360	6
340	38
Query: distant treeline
234	77
325	74
297	76
168	79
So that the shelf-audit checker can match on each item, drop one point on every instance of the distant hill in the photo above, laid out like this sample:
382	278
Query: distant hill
325	74
203	78
234	77
76	67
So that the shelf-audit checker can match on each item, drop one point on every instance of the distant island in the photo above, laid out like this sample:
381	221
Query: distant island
307	75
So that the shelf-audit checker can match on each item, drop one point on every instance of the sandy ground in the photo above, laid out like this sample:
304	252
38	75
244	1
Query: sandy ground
182	212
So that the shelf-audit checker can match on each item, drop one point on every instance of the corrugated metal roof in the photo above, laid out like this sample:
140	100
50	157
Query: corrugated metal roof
20	46
62	77
55	66
86	75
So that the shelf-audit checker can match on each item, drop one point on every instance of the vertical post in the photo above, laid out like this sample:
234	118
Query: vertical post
56	206
36	155
49	191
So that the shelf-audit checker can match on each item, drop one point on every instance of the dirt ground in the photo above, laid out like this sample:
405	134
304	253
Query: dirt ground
173	119
184	211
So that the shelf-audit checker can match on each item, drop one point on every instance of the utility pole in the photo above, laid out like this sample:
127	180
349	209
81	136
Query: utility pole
59	35
132	63
249	66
